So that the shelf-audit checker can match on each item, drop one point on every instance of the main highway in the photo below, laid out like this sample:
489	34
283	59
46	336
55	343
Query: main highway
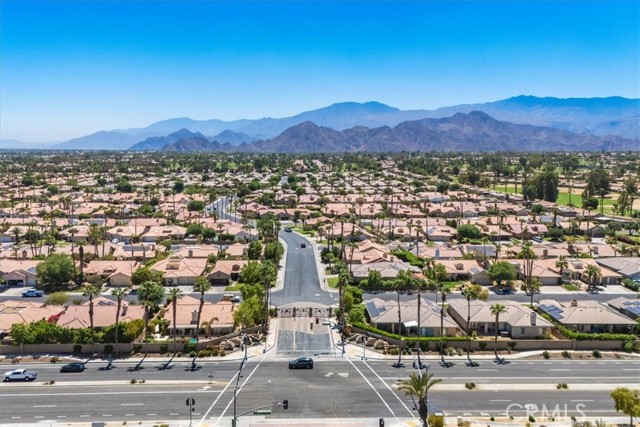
336	387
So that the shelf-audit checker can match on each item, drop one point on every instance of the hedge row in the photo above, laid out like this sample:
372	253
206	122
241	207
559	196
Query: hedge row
585	336
370	328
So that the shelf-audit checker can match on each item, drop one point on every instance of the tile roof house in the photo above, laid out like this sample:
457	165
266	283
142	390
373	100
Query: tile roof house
519	321
461	269
626	306
384	315
216	318
22	312
225	271
19	272
177	270
77	316
586	316
628	267
116	273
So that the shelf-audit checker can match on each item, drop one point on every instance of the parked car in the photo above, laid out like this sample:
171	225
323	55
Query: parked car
3	288
287	230
301	363
20	375
73	367
303	245
32	293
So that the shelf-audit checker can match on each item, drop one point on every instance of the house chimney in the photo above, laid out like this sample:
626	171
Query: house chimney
533	318
574	303
24	254
194	316
190	253
437	253
124	309
545	253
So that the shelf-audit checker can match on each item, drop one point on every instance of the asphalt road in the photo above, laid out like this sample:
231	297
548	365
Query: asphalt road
334	388
301	281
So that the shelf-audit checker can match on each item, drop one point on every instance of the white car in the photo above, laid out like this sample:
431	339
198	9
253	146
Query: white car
20	375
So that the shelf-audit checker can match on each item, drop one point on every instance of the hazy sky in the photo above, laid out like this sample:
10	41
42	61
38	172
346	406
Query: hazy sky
71	68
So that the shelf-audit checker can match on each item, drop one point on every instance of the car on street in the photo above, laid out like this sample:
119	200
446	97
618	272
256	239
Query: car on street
303	245
20	375
73	367
301	363
32	293
287	230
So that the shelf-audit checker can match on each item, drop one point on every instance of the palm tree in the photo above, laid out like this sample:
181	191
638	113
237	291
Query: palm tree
593	273
444	291
472	293
419	284
201	285
399	286
119	293
528	255
562	264
150	295
497	309
91	292
173	296
418	387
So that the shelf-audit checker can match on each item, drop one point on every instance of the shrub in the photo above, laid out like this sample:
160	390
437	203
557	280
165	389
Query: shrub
546	354
192	354
55	359
482	345
492	419
435	421
133	381
532	419
108	349
77	348
164	347
470	386
511	345
627	346
137	348
204	353
566	354
189	347
596	354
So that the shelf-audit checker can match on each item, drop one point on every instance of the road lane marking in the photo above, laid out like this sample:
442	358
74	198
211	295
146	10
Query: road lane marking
373	388
62	416
559	369
84	416
107	415
152	415
131	404
45	406
501	400
106	392
239	390
389	388
15	418
631	369
487	370
129	415
39	416
173	413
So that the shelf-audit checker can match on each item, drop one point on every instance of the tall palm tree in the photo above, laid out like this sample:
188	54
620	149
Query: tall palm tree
173	296
150	295
119	293
497	309
562	264
418	386
399	286
472	293
444	291
91	292
593	273
528	256
201	285
419	284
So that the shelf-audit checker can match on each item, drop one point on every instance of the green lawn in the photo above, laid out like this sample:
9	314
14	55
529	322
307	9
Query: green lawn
510	189
235	287
576	200
570	287
332	282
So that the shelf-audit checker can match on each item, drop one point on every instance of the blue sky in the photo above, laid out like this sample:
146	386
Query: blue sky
71	68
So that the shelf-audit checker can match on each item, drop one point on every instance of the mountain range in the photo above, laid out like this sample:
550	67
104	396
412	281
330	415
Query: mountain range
590	117
474	131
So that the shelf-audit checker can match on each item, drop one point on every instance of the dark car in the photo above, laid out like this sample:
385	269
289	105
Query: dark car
73	367
303	245
287	230
301	363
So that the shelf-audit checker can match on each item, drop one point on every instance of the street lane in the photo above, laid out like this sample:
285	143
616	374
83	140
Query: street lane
301	281
334	388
